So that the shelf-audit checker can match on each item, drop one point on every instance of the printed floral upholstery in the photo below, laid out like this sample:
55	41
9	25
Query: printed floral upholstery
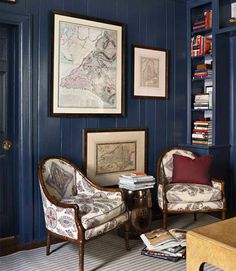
186	197
192	193
99	211
167	160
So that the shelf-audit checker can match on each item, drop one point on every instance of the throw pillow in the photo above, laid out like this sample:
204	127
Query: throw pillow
187	170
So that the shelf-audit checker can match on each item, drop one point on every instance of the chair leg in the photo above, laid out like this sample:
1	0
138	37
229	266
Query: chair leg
195	216
81	256
48	243
127	236
164	220
223	215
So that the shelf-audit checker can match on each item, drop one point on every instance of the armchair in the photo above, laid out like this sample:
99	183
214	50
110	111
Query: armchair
75	208
174	198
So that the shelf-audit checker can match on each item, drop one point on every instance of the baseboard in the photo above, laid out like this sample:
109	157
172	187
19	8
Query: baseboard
10	246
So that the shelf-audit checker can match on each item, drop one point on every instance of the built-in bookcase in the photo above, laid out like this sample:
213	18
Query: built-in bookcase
211	82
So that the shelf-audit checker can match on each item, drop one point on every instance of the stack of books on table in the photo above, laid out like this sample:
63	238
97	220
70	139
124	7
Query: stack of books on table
165	244
202	132
136	181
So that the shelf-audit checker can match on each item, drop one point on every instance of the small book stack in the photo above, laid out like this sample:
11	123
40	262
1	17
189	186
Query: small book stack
202	132
201	45
203	21
165	244
136	181
201	101
202	71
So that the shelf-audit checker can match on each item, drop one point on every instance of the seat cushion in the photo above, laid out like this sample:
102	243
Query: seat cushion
97	209
192	193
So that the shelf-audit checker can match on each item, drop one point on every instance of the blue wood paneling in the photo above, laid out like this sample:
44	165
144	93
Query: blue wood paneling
149	23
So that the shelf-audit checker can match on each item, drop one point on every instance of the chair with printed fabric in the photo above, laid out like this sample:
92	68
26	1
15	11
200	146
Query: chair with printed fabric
75	208
185	184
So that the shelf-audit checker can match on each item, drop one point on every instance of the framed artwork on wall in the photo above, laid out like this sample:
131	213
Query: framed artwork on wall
87	65
109	153
150	72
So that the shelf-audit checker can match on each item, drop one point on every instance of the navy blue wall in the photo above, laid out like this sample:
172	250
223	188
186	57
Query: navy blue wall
156	23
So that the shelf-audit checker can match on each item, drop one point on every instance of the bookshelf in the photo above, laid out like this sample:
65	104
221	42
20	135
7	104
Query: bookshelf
216	78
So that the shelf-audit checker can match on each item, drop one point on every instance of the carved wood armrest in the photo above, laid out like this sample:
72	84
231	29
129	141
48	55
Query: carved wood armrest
217	183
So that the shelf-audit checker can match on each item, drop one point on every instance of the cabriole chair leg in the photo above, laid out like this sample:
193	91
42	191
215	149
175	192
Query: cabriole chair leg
223	215
81	256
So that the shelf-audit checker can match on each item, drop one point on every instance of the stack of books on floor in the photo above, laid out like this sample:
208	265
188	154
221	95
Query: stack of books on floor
202	132
203	21
201	101
165	244
202	71
136	181
201	45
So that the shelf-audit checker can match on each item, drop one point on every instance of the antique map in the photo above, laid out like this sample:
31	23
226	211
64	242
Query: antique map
115	157
149	72
88	66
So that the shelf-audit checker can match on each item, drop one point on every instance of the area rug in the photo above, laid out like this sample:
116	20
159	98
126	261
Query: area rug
106	253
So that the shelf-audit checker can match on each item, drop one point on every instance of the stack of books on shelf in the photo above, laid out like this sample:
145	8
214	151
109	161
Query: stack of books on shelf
201	45
202	71
136	181
165	244
203	21
201	101
202	132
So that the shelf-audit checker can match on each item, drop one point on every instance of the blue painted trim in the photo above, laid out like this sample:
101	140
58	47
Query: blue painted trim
25	168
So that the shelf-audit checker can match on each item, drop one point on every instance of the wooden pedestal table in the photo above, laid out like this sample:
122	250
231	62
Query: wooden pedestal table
139	205
213	244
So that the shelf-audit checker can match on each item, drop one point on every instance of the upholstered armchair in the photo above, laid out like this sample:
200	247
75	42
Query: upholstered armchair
75	208
174	198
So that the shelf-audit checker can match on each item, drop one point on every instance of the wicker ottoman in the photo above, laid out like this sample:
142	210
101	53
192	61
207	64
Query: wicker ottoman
214	244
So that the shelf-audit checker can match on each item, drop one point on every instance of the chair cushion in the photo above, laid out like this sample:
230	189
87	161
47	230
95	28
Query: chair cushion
192	193
96	209
187	170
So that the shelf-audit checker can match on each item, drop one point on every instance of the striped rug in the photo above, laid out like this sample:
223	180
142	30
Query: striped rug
106	253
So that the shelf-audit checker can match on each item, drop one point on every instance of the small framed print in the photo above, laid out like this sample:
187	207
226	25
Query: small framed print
109	153
150	72
87	65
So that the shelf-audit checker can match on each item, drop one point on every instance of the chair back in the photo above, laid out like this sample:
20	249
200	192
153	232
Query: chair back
57	177
165	162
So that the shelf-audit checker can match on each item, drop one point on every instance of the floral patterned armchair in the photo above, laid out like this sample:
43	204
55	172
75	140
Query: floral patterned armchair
186	197
75	208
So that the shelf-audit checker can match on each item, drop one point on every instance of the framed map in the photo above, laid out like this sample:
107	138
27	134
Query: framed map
150	70
87	65
108	153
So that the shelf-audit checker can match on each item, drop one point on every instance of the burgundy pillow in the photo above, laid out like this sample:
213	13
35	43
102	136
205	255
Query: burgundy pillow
187	170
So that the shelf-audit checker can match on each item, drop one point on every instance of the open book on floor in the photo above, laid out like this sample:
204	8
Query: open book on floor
160	239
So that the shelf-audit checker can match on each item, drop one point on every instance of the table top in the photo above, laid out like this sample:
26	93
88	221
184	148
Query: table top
223	233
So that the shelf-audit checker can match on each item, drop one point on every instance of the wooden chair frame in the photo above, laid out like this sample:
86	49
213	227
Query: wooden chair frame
81	231
162	179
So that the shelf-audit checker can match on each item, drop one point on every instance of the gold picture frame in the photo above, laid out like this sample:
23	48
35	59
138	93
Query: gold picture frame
109	153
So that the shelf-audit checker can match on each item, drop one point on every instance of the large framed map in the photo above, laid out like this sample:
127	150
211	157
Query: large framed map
150	72
87	65
109	153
